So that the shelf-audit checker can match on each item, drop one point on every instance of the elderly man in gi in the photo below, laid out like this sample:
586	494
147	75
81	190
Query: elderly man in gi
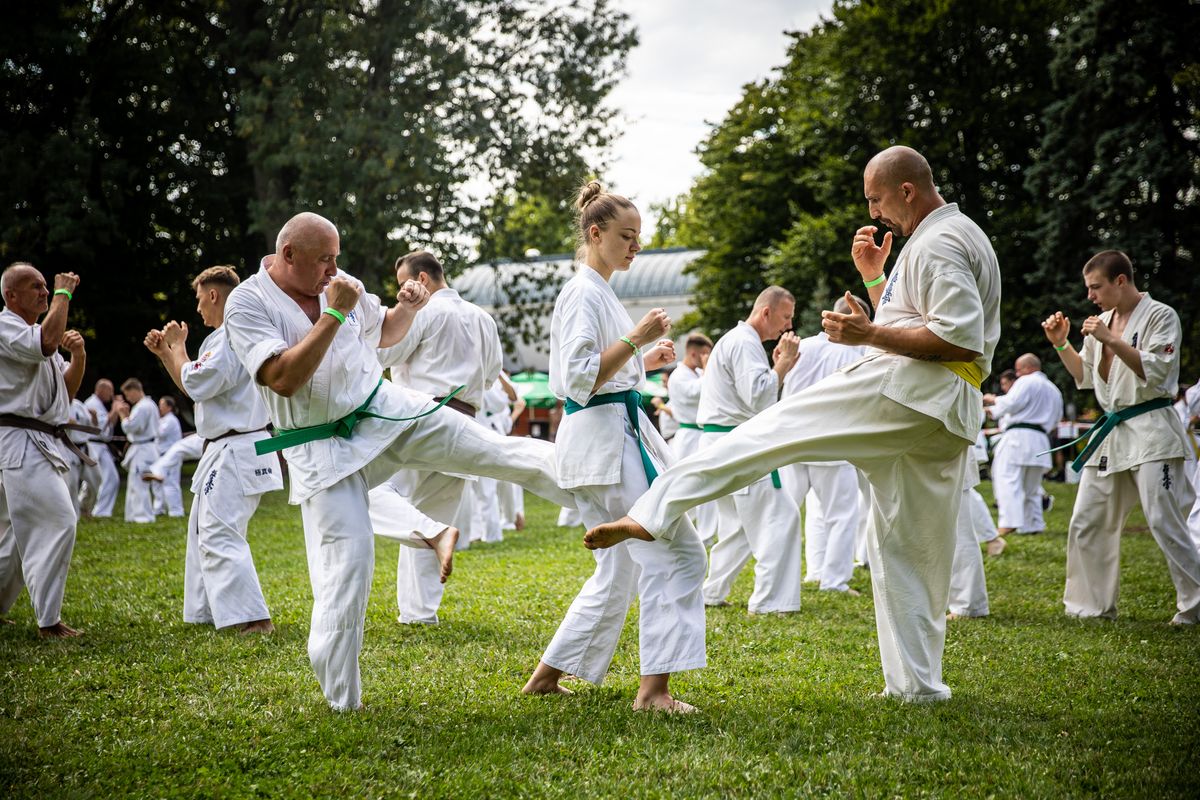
308	334
905	414
220	583
1027	413
831	523
1135	452
103	477
761	519
139	422
37	515
452	343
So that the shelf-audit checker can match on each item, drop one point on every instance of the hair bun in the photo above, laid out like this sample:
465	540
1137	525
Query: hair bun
587	193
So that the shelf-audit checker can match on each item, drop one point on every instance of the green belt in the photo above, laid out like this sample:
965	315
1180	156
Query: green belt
1104	426
284	438
689	426
1027	426
778	484
632	400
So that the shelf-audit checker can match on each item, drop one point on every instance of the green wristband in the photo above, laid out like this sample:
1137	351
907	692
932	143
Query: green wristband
1064	346
882	277
637	351
333	312
66	292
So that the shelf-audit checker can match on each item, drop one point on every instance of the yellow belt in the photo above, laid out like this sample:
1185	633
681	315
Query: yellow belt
969	371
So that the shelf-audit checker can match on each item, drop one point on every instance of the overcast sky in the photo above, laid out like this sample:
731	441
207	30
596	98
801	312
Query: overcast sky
687	71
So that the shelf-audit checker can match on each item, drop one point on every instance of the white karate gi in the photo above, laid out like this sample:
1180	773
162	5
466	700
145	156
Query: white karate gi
685	402
79	415
140	428
168	496
189	448
1021	457
1140	461
981	515
451	343
220	582
1192	409
330	478
759	519
569	518
830	524
905	423
599	459
968	585
486	518
104	475
37	516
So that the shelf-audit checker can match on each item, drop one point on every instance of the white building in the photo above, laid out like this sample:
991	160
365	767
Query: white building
520	295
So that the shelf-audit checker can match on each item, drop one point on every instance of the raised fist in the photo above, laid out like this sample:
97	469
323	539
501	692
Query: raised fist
342	294
652	327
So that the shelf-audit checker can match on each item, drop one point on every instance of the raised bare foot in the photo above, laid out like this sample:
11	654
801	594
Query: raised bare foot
666	704
257	626
443	545
58	631
612	533
519	522
996	546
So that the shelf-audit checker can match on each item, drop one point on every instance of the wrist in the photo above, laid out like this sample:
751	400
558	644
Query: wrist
1060	347
873	282
67	293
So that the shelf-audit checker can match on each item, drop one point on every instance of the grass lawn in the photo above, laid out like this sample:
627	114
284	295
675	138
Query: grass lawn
146	706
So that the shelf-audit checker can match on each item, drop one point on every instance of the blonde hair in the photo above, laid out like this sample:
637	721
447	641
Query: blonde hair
217	276
594	206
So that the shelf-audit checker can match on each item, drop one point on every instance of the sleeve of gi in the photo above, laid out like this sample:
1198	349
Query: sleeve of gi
1159	348
757	385
950	301
581	346
686	389
252	336
211	374
373	313
403	350
21	342
493	353
1014	402
1087	354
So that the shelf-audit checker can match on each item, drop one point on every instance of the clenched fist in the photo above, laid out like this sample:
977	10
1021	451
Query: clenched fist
652	327
342	294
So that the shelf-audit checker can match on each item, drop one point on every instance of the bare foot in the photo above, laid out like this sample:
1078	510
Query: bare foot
6	621
544	680
612	533
996	546
257	626
666	704
58	631
847	591
519	522
443	545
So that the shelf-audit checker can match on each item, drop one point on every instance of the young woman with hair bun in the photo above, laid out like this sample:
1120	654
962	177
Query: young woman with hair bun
608	452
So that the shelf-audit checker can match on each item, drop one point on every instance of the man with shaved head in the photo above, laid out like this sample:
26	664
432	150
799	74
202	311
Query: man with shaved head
761	520
1026	414
308	335
905	414
37	514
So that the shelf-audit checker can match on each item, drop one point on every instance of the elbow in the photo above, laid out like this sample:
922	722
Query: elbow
282	388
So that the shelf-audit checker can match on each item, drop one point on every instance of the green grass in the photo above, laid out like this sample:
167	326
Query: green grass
146	706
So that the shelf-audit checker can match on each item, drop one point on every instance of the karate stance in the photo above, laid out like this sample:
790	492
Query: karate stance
1130	357
905	414
104	476
761	519
1026	414
308	334
167	494
832	522
220	582
139	422
451	343
607	452
37	516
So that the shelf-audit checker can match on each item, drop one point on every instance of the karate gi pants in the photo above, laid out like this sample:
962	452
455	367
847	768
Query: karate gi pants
512	503
1018	490
339	536
981	517
705	517
485	511
763	522
220	583
832	516
968	585
37	535
665	575
139	502
916	469
104	479
1193	520
1094	537
569	518
74	479
168	495
419	587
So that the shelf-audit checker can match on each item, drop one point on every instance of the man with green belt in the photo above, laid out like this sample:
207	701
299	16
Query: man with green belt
762	519
1135	453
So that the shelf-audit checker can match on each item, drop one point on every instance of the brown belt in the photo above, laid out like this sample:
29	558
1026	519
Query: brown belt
459	406
57	431
227	434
